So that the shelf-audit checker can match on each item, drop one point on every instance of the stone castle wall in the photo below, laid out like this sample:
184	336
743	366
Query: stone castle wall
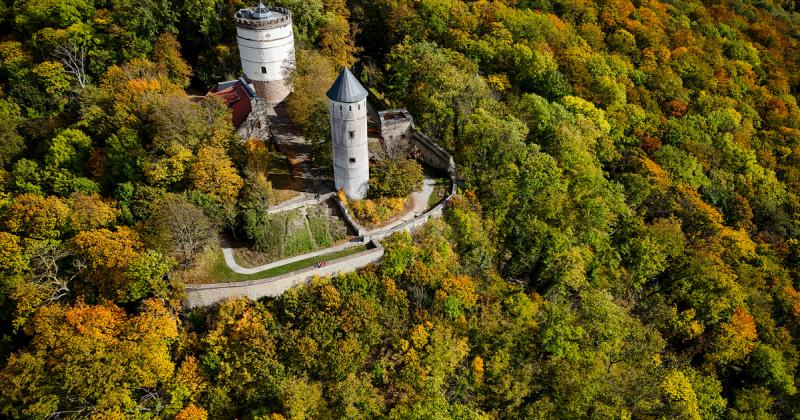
400	136
257	123
432	154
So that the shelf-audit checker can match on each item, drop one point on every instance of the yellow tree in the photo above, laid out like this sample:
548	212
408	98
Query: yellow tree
336	40
90	211
167	54
107	254
311	78
213	173
679	396
91	361
736	339
37	217
11	257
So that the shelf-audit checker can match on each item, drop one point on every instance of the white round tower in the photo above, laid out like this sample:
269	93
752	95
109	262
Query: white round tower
266	47
347	101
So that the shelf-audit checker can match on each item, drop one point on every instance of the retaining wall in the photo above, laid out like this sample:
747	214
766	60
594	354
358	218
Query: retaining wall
433	154
209	294
296	203
360	231
436	211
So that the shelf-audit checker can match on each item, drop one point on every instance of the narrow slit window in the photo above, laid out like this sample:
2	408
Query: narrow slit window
351	107
340	107
263	70
359	106
352	134
352	160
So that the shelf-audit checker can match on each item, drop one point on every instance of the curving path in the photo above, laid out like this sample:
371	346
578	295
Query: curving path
227	252
420	205
419	199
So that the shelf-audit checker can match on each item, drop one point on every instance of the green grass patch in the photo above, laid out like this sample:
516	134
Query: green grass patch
289	233
440	191
220	272
326	228
298	238
318	224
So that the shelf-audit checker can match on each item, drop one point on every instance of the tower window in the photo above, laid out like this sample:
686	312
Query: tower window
359	106
340	107
263	70
352	134
351	107
352	160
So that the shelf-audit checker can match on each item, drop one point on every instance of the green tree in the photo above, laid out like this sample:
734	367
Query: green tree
395	178
11	143
767	365
68	150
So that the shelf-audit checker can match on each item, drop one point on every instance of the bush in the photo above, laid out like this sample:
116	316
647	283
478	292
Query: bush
318	223
267	233
374	212
298	237
395	178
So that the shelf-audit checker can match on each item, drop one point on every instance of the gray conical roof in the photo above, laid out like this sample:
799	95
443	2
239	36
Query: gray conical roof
346	88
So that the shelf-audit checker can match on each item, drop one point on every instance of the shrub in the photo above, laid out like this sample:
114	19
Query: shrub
374	212
395	178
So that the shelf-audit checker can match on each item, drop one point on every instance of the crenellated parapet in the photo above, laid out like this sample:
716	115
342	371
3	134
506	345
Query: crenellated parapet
274	18
265	38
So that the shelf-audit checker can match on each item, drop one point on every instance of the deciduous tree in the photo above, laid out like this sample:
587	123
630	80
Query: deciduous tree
213	173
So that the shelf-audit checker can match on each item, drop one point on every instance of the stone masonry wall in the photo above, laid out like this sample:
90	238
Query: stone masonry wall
349	218
417	222
296	203
257	123
433	154
399	138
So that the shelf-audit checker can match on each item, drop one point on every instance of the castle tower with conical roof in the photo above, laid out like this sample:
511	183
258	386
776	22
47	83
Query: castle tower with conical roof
347	101
266	48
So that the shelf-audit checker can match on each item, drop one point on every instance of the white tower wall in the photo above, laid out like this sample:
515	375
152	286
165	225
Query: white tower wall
350	147
266	49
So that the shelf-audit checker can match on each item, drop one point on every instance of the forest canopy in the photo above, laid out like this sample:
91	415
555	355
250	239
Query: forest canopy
625	241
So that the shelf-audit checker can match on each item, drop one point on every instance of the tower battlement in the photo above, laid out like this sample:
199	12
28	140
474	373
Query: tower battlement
267	17
266	47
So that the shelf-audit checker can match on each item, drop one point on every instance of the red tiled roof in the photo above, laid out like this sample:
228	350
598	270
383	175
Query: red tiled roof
235	95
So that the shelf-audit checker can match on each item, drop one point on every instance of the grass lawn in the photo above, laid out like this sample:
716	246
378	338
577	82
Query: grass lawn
292	232
219	272
440	191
